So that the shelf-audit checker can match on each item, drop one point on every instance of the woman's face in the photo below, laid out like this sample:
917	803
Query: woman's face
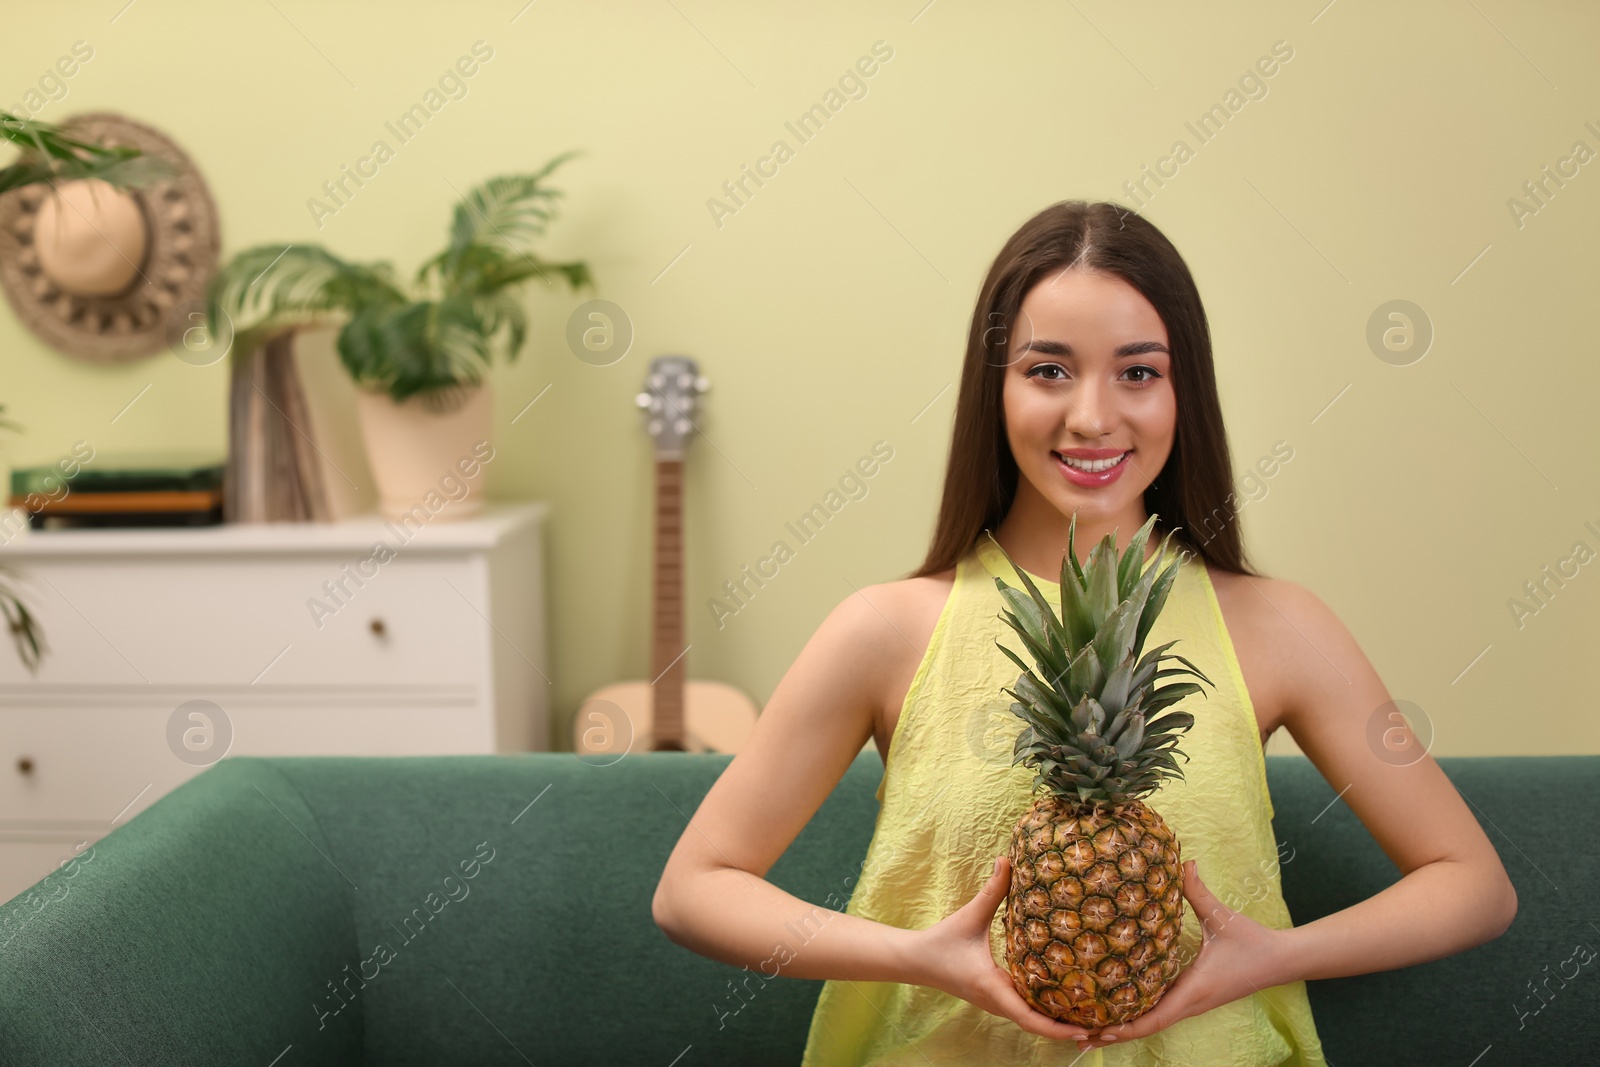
1089	371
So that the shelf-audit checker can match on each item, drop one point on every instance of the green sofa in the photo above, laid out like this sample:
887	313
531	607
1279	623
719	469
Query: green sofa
496	910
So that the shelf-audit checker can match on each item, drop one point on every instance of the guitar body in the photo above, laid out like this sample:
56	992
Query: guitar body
669	713
621	717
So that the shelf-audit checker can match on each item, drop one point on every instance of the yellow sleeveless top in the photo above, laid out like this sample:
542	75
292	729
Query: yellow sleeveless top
950	796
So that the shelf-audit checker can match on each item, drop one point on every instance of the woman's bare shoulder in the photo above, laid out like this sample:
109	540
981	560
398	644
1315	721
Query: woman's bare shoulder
913	604
906	610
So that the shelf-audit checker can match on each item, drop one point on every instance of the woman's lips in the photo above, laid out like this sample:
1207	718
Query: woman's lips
1078	476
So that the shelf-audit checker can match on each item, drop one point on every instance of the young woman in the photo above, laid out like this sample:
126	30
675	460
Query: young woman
1089	343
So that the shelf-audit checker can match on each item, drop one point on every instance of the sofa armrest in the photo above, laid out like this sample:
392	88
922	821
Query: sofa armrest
203	931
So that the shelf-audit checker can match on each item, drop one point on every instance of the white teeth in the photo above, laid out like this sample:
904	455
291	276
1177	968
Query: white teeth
1091	465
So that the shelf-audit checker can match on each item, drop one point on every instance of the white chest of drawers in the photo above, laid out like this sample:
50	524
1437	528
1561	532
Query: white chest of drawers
294	639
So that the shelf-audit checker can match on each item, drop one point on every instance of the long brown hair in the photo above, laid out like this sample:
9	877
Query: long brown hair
1193	493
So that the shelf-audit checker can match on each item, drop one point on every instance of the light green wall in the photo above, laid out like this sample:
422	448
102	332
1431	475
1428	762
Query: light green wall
831	309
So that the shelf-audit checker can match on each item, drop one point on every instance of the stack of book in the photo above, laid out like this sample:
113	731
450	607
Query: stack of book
271	472
131	489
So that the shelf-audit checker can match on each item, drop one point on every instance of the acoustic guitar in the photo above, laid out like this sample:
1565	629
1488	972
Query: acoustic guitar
669	713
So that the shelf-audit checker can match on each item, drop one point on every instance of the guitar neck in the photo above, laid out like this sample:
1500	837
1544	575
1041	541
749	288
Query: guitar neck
669	665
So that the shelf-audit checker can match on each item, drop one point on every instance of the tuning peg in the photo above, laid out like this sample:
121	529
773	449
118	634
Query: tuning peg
702	383
643	400
681	426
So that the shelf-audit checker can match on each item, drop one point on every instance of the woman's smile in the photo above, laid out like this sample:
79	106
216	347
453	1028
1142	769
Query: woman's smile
1092	471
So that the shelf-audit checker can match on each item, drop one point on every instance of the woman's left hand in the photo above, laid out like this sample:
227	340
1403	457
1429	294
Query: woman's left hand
1238	956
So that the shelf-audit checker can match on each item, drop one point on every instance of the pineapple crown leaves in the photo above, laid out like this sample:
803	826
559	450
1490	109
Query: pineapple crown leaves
1090	700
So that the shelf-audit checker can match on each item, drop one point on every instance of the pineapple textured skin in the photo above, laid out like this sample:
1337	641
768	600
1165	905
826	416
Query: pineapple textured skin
1094	911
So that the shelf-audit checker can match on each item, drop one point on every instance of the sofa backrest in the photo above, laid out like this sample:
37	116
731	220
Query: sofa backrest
1527	994
556	943
496	909
551	947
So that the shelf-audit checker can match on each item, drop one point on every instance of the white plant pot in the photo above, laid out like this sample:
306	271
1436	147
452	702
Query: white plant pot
428	465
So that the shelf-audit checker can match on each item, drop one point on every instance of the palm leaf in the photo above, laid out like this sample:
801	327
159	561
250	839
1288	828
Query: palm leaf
500	213
50	156
414	348
264	289
23	625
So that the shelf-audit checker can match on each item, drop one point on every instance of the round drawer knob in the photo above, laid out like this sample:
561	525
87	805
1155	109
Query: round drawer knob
378	627
25	765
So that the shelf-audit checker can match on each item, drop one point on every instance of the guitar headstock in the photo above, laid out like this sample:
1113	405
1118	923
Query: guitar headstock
670	397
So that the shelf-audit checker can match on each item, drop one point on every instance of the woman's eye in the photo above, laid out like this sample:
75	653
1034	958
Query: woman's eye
1052	372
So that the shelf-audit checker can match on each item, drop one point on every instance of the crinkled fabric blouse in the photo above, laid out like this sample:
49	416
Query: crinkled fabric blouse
950	796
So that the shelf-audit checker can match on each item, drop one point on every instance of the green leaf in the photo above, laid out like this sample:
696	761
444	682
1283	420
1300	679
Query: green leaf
1162	586
1168	695
1037	621
1076	613
1085	675
1072	555
1115	641
1192	669
1102	574
1131	741
1045	614
1032	691
1038	719
1119	685
1043	655
506	210
1128	570
50	156
1022	664
271	287
422	347
1172	721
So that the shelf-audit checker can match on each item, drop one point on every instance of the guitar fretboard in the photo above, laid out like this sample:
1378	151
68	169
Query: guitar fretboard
668	664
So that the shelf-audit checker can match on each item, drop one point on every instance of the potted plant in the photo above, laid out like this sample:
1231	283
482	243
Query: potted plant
48	155
416	353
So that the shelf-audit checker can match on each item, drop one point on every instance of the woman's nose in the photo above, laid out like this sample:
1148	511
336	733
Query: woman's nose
1086	414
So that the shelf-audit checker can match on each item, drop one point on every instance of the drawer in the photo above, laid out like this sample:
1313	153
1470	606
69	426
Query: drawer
66	768
306	619
78	768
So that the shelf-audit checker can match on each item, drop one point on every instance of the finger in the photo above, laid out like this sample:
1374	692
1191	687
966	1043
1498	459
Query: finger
978	913
1044	1026
997	885
1173	1007
1019	1011
1212	912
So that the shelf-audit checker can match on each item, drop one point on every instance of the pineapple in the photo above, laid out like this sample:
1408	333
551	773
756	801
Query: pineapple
1095	905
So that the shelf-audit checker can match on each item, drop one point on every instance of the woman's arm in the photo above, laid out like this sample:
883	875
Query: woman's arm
712	897
1454	893
733	916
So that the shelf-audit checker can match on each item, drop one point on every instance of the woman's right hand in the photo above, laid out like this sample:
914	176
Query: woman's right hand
956	958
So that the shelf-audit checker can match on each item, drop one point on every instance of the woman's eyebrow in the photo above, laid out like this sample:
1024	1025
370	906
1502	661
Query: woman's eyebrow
1061	348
